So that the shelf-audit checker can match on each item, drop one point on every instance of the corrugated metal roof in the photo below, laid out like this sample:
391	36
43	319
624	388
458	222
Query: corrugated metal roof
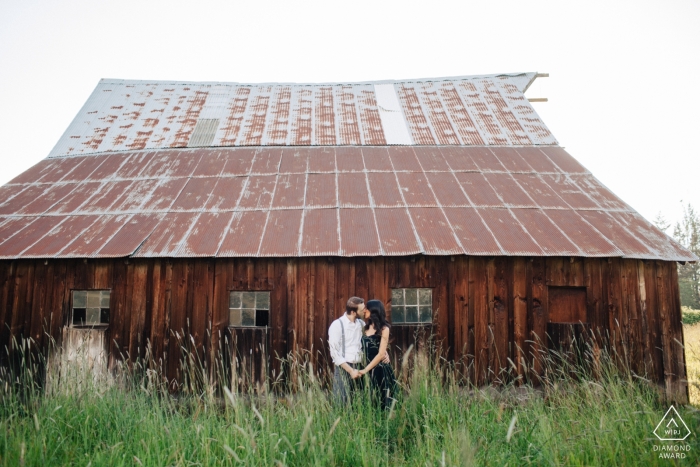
123	115
319	201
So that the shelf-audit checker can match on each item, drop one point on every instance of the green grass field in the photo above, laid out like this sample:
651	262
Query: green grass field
572	419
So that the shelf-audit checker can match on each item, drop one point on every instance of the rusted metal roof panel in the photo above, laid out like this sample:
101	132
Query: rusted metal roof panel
510	233
167	236
321	233
244	234
396	232
349	201
281	236
358	233
435	232
352	190
34	231
583	234
59	237
472	232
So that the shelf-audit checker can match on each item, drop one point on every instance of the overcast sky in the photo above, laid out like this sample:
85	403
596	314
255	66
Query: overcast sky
623	93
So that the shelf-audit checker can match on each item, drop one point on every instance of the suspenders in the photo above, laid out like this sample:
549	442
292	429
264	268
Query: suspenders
342	331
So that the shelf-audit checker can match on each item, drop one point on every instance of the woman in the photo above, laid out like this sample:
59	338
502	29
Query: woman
375	342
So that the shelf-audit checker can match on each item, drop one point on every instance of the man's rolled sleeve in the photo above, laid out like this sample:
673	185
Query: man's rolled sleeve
335	343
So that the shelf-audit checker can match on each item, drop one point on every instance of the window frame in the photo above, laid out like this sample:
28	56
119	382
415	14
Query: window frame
100	325
256	309
417	304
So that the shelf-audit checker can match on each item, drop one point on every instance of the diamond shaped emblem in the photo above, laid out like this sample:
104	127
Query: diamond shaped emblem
672	427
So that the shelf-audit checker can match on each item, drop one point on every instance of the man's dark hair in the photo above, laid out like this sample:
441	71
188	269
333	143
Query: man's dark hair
353	304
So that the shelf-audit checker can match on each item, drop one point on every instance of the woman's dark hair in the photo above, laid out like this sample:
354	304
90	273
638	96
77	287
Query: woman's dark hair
377	315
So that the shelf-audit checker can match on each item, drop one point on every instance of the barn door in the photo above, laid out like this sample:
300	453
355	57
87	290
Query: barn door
249	327
568	321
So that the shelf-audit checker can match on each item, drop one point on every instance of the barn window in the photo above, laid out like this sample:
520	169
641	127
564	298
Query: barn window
90	308
411	306
249	309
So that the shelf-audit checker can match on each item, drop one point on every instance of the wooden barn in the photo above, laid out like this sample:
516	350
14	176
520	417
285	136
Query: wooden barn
251	212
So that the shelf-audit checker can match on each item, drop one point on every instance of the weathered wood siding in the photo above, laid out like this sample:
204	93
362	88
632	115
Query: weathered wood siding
486	310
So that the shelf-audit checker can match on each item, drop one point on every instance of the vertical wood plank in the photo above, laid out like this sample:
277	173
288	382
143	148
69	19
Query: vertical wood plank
520	318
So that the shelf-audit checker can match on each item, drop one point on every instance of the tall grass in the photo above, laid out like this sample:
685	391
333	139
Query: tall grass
580	414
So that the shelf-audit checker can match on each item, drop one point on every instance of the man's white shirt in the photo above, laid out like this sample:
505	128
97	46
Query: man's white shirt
353	340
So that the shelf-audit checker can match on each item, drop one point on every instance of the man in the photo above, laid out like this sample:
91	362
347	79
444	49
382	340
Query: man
345	341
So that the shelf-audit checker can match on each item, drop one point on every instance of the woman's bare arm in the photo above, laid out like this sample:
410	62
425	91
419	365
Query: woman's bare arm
381	354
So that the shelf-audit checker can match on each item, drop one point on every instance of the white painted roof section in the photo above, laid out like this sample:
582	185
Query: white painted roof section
393	123
123	115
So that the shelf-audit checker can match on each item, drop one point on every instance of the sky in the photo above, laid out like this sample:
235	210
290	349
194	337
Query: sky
621	94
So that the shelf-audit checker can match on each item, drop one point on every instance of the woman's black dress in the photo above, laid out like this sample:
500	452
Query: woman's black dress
382	378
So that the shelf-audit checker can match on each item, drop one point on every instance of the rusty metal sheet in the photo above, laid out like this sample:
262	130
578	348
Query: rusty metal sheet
431	159
509	190
211	164
435	232
349	159
28	236
79	194
472	232
415	114
289	192
22	199
567	190
511	160
447	189
632	246
485	160
101	199
656	240
244	234
599	193
509	232
183	164
257	194
266	162
377	159
206	235
81	171
294	161
226	193
137	163
478	189
358	232
548	236
281	237
238	162
195	194
352	190
7	192
109	167
167	235
539	191
60	172
322	160
13	225
458	159
51	244
321	191
582	233
47	199
133	198
563	160
404	159
321	233
130	236
538	160
396	232
89	243
384	189
415	189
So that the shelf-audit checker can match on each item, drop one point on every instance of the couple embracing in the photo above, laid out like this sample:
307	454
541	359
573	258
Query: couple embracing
358	343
